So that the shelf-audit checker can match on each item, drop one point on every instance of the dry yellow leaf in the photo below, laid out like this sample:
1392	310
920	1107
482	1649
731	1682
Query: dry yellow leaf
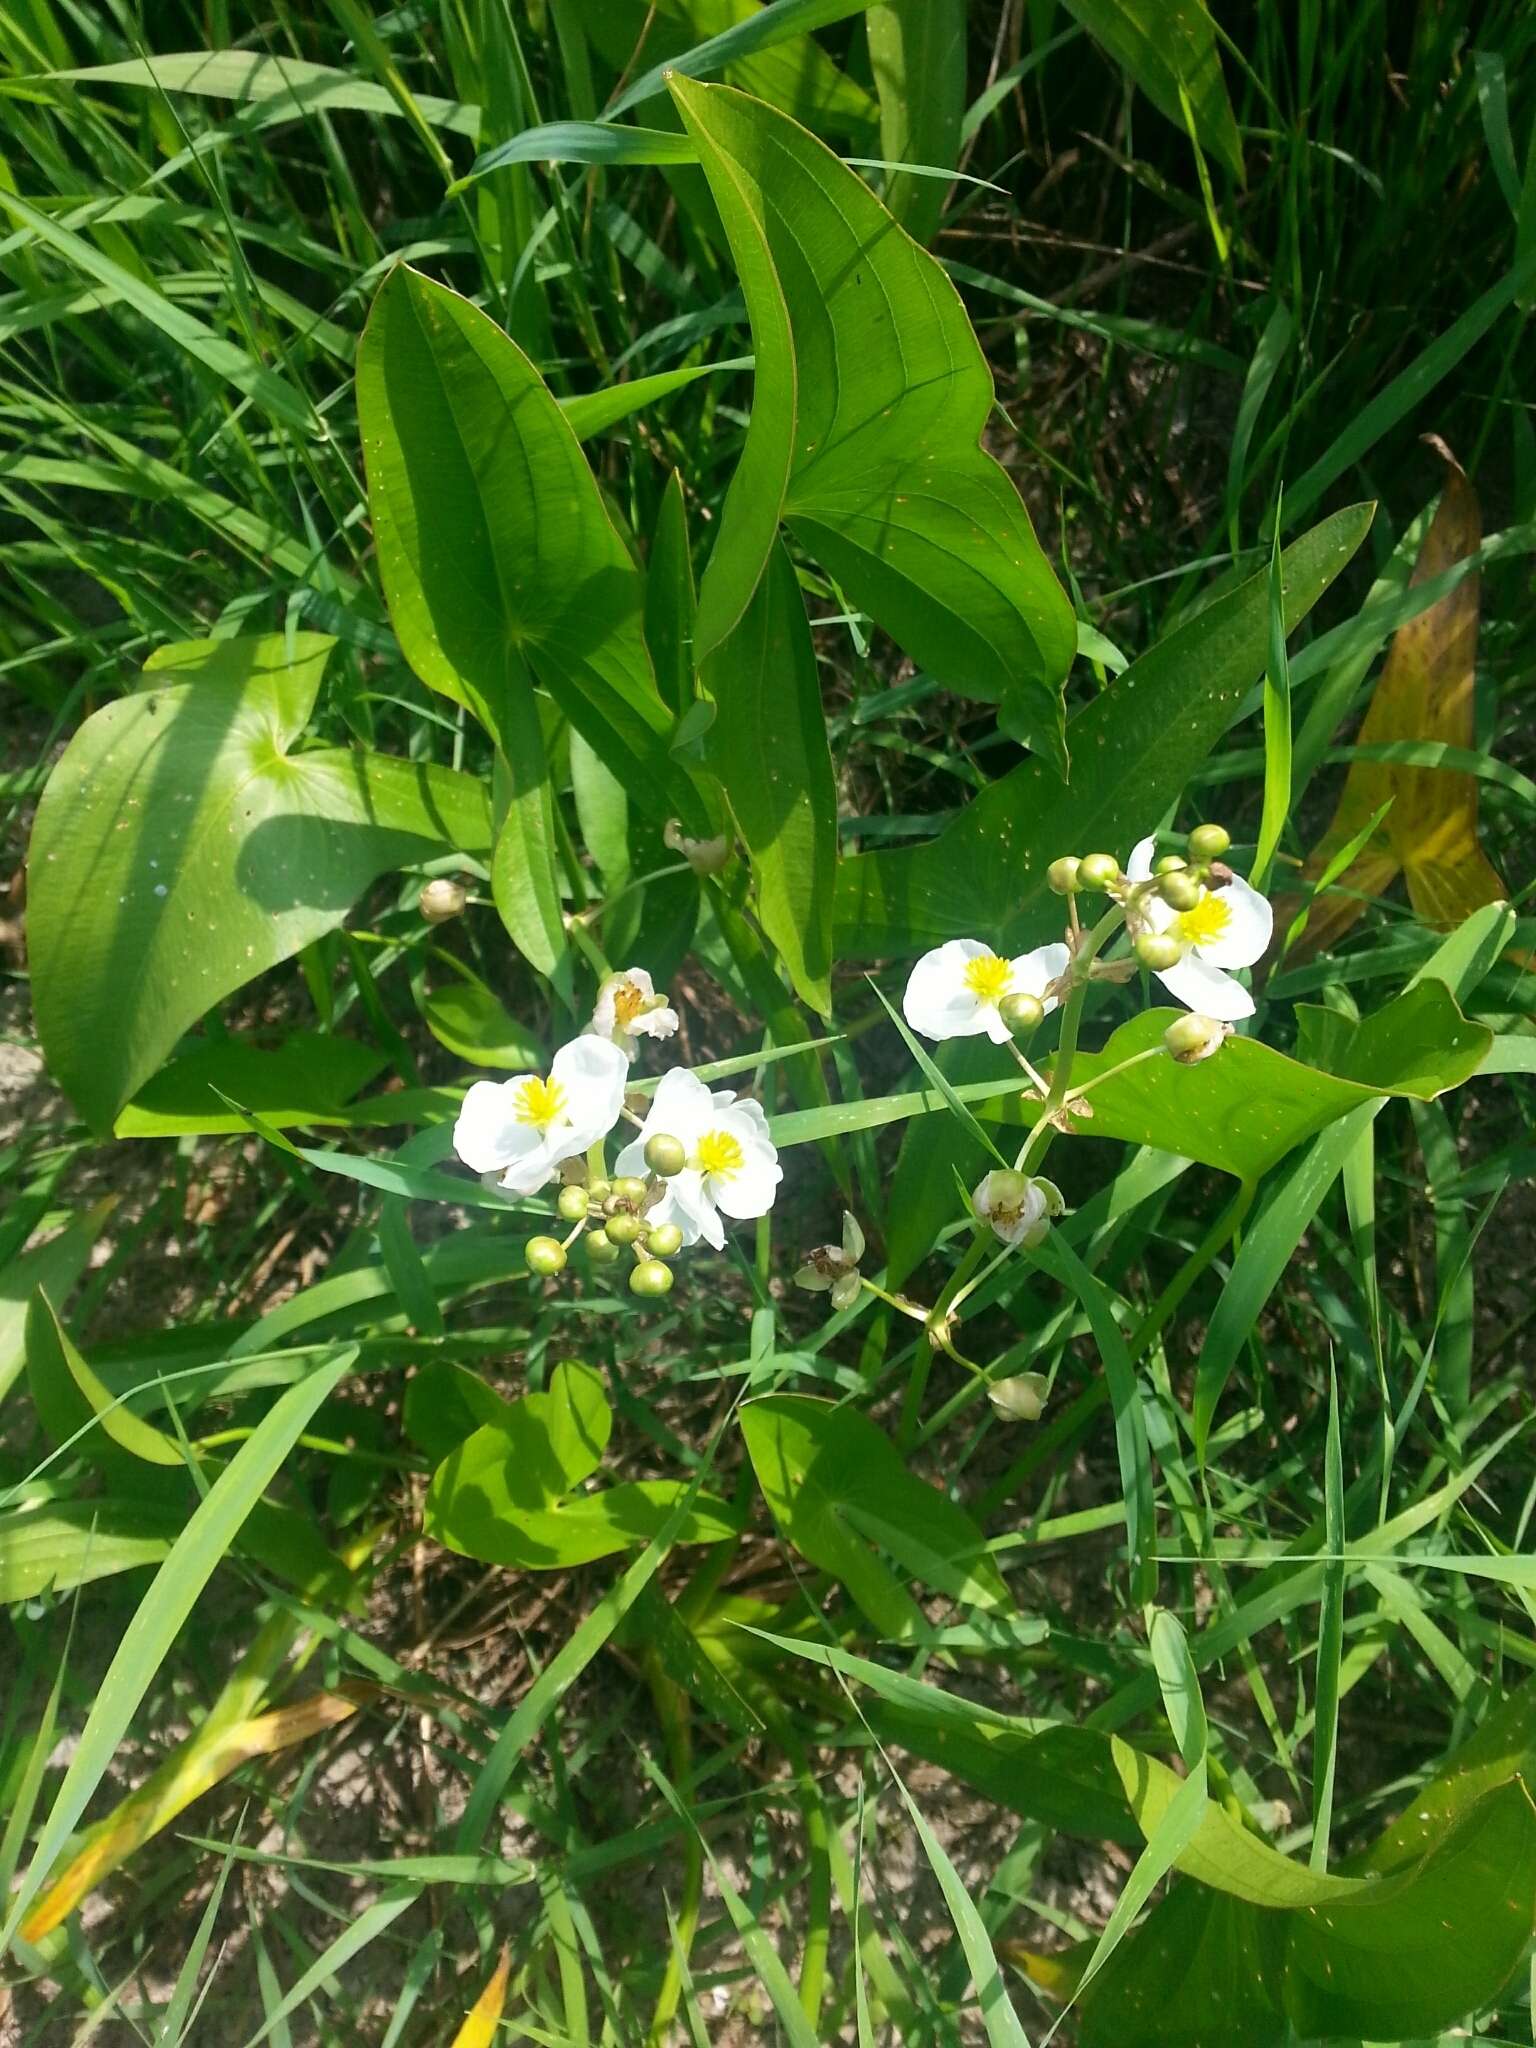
480	2024
1424	693
200	1762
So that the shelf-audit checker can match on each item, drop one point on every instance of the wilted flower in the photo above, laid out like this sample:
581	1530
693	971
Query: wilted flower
835	1266
955	991
1019	1209
524	1127
442	899
704	856
731	1162
1194	1038
1021	1398
1228	926
628	1009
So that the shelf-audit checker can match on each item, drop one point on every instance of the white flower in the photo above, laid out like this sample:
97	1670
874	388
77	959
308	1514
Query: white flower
954	991
522	1128
732	1164
628	1008
835	1266
1019	1209
1230	926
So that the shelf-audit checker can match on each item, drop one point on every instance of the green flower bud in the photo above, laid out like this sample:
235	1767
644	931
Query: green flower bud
1159	951
651	1278
545	1256
1022	1014
1179	891
1209	842
664	1240
623	1228
665	1154
629	1188
601	1249
572	1202
1098	871
1170	864
1062	874
599	1190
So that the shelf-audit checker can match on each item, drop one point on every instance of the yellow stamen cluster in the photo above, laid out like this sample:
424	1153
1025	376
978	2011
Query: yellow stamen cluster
718	1152
539	1102
1207	921
987	976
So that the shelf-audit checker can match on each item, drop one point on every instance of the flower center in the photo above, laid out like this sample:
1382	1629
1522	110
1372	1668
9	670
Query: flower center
628	1004
539	1102
1207	921
719	1153
987	977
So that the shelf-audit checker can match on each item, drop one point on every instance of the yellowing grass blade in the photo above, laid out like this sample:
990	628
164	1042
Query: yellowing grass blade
201	1761
1429	834
480	2024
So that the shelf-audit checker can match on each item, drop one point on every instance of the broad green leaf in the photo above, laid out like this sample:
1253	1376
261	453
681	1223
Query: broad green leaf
671	602
1137	745
58	1546
871	395
306	1079
166	1607
829	1475
446	1403
69	1399
502	1494
768	745
497	552
917	53
525	862
1246	1107
183	846
1169	46
54	1267
1503	1747
467	1018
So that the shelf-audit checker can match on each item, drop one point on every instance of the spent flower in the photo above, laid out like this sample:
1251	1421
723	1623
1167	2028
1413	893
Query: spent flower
1019	1209
835	1267
629	1009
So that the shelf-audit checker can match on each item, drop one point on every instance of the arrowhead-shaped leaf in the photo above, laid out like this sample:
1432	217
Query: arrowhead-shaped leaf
182	847
871	396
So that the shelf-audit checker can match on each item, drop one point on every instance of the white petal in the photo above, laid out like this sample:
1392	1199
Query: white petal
853	1237
526	1174
593	1072
1158	914
660	1023
750	1190
1139	867
845	1290
991	1021
687	1204
937	1002
1034	972
637	978
631	1159
812	1278
485	1134
1206	989
1250	922
681	1107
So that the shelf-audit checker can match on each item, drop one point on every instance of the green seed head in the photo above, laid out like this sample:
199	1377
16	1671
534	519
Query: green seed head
664	1240
545	1256
665	1154
1194	1038
1098	871
1179	891
1209	842
1022	1014
1062	874
1159	951
651	1279
623	1228
601	1249
572	1203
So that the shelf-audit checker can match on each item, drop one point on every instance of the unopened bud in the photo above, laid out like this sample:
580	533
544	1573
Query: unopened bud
1013	1205
1209	842
704	856
628	1188
1098	871
601	1249
572	1203
1170	864
1021	1399
1159	951
623	1228
442	899
1180	891
651	1279
1022	1014
665	1154
1061	875
664	1240
1194	1038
